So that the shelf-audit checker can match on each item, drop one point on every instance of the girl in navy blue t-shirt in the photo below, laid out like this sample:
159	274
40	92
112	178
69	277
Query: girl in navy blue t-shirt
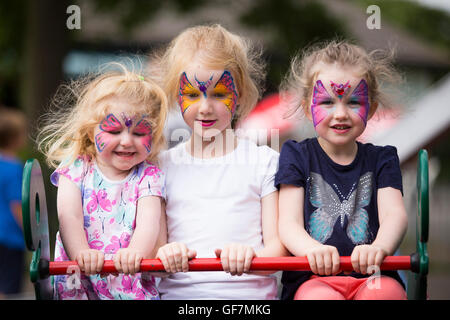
339	197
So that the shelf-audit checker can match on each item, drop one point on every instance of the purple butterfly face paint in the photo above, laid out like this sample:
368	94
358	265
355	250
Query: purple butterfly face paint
321	97
323	104
340	89
360	97
203	85
127	120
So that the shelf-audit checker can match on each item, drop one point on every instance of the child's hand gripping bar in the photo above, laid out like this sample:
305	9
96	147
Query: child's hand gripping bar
258	264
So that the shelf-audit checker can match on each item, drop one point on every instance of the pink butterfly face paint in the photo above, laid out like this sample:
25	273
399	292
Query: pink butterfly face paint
322	103
225	91
340	89
144	130
107	126
127	120
359	100
110	127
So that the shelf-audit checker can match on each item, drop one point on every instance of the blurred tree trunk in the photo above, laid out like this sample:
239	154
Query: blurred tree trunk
45	47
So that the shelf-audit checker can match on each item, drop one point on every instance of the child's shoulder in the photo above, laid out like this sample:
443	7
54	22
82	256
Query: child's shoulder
302	148
379	152
253	147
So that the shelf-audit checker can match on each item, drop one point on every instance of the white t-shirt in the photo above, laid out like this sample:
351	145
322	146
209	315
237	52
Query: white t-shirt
214	202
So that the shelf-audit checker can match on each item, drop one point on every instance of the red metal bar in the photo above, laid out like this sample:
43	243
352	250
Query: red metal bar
213	264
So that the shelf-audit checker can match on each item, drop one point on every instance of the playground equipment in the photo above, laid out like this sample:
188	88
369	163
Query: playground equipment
36	233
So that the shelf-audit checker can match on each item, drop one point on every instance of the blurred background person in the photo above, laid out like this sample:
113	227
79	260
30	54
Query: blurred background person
13	132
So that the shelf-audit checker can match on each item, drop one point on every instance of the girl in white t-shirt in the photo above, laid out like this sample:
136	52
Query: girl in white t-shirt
220	195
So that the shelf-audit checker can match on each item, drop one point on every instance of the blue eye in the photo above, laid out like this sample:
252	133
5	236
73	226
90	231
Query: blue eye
326	102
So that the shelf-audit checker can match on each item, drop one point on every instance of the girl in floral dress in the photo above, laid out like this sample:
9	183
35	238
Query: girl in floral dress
109	190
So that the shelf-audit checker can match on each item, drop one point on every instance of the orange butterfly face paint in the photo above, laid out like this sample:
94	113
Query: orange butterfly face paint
188	94
225	91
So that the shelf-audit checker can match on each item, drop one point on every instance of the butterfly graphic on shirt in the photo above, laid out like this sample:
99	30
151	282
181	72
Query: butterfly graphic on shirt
330	209
99	200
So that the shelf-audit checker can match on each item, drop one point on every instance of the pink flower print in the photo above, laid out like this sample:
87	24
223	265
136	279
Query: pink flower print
99	199
135	194
130	286
96	244
117	243
64	172
150	171
101	287
63	294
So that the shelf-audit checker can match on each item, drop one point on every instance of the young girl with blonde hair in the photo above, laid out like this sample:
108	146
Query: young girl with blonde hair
221	200
340	197
103	135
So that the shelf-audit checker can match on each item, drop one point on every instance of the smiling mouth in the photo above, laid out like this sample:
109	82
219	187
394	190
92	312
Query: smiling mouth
124	154
340	127
207	123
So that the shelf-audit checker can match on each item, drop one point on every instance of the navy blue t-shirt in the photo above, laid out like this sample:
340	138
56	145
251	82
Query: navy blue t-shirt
340	206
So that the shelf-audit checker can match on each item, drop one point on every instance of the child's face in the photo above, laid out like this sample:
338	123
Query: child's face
207	99
121	141
339	106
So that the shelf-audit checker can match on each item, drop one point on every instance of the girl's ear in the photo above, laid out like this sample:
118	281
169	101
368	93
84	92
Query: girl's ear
372	110
307	110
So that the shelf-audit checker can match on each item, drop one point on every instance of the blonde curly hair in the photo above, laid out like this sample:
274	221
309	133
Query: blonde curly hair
376	68
67	130
218	49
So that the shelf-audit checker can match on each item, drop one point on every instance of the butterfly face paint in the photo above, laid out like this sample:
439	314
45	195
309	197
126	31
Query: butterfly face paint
340	89
127	120
144	129
111	126
321	97
203	85
323	103
360	99
108	125
225	91
187	95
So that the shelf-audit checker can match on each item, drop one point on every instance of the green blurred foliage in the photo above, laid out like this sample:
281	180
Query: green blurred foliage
12	28
292	25
431	25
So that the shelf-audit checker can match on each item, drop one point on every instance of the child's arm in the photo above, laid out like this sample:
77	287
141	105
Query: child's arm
272	243
393	224
323	259
236	258
71	228
142	244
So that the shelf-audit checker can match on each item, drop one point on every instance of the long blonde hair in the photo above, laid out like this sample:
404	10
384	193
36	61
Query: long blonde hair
376	67
218	49
67	130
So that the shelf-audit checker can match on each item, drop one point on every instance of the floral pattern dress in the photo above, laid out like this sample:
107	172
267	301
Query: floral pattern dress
109	209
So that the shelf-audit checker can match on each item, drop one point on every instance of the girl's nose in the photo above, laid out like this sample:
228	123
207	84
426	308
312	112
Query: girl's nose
205	105
341	111
125	138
